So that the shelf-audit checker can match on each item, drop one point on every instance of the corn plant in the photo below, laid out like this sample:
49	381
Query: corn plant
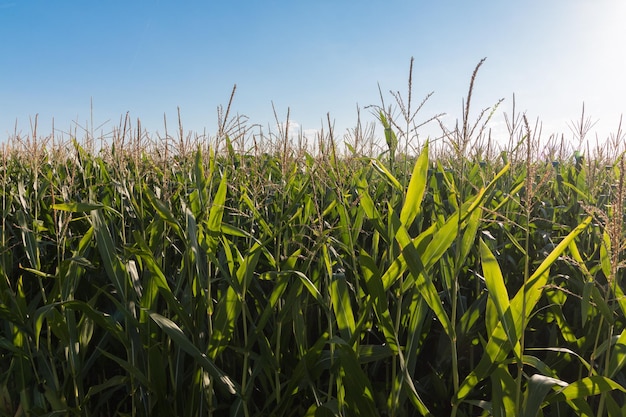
197	277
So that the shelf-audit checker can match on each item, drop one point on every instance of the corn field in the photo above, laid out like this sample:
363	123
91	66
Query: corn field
205	280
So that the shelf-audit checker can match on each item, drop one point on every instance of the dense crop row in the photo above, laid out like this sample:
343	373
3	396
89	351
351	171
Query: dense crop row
133	282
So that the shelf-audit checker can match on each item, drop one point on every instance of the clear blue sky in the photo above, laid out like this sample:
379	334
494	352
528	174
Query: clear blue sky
148	57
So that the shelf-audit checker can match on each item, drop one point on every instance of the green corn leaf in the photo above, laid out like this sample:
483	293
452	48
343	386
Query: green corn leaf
392	140
155	283
538	387
508	196
586	387
539	365
498	293
258	217
498	346
469	235
581	195
342	306
332	205
390	136
408	357
38	273
77	207
374	353
602	305
492	318
411	391
564	327
103	320
29	240
369	207
620	297
73	349
386	174
164	212
281	279
112	263
618	356
472	316
200	179
310	286
226	314
56	322
605	255
112	384
328	409
194	257
359	395
133	371
229	229
478	199
589	285
399	265
217	209
305	372
419	255
613	408
494	280
246	269
231	255
377	293
567	351
179	338
552	257
419	264
416	189
585	303
425	285
503	393
442	240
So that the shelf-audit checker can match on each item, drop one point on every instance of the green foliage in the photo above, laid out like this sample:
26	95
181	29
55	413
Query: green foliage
230	284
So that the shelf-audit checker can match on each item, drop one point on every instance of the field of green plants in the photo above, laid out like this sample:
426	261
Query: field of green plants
250	276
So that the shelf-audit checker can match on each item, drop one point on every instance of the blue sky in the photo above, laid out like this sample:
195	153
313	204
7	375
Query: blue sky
148	57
